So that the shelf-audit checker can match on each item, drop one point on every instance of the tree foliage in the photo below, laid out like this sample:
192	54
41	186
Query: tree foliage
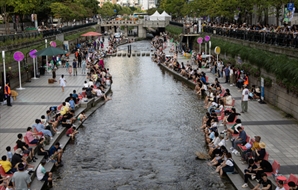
107	10
172	7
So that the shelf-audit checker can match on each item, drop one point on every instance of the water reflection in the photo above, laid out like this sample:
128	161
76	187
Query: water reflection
145	138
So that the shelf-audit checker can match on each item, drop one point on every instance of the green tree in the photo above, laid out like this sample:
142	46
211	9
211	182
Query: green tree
106	10
23	6
125	10
173	7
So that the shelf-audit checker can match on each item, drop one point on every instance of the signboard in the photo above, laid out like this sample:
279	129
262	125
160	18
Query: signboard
217	50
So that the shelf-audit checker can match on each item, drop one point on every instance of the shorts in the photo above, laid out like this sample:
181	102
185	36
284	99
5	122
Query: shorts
45	177
27	151
235	132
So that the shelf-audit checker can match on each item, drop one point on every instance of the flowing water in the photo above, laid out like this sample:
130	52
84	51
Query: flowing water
144	138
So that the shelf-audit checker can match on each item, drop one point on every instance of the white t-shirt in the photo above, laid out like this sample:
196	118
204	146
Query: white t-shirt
245	94
229	100
108	82
98	92
222	143
90	83
40	172
229	162
278	188
216	141
231	72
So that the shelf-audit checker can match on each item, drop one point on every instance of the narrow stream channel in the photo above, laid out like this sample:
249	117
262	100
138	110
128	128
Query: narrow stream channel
144	138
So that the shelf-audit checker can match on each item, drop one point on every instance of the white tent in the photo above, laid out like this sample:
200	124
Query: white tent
155	16
165	16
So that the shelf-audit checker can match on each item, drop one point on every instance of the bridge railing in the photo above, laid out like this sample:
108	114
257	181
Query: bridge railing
119	22
44	33
273	38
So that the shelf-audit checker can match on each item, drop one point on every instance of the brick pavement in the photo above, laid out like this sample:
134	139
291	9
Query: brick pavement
33	102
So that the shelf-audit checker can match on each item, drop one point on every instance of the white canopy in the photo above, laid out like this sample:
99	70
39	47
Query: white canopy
155	16
165	16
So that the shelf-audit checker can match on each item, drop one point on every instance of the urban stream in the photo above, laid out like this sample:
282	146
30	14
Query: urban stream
144	138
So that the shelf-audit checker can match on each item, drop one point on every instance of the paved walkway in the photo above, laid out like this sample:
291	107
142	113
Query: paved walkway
33	102
278	132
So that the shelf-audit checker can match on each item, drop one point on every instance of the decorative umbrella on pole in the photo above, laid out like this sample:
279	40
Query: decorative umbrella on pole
50	51
19	56
33	56
92	34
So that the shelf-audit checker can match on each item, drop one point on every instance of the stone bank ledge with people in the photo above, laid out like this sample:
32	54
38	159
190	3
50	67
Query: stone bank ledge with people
222	125
28	163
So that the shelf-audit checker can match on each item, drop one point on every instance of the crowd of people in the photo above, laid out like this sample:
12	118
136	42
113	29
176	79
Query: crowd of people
16	166
221	114
285	35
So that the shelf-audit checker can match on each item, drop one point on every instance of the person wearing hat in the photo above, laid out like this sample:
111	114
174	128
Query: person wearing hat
260	153
244	99
21	180
251	151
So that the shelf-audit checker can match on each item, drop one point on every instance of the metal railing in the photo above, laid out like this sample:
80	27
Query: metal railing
273	38
44	33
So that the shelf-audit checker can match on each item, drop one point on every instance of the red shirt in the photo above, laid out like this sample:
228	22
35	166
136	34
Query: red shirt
69	131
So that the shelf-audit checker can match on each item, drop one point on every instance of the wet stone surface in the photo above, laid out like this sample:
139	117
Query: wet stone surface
144	138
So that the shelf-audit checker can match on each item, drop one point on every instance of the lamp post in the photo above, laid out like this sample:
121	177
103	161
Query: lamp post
19	56
46	45
33	56
4	69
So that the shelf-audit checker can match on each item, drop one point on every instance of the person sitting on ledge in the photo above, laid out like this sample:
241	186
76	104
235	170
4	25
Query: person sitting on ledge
226	166
230	118
263	166
100	93
233	129
41	128
250	172
265	182
71	132
55	153
68	119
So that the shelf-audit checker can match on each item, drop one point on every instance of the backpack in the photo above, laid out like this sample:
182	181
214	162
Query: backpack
47	140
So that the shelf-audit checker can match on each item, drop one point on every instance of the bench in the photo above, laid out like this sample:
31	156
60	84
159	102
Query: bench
2	172
275	166
28	143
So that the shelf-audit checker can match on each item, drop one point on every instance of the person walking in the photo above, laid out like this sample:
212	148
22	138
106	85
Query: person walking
244	99
79	59
84	66
227	73
7	93
62	82
21	180
74	67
